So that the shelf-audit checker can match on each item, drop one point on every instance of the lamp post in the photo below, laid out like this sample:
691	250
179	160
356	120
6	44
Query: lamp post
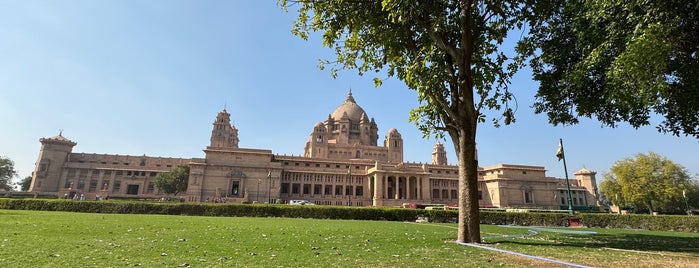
686	202
257	196
269	187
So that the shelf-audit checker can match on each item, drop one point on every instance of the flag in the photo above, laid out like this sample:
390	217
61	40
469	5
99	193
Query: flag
559	152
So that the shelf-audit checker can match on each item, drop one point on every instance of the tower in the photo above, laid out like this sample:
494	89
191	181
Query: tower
394	144
586	178
317	143
439	155
224	135
49	166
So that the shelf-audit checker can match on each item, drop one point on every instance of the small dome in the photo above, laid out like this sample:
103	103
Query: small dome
351	108
393	130
319	124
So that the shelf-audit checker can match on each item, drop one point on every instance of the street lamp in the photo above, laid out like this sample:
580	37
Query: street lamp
258	190
686	201
269	187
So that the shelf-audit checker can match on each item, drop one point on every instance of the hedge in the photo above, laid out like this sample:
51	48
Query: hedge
660	222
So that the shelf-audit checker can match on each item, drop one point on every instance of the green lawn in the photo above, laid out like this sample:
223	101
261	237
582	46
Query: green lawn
62	239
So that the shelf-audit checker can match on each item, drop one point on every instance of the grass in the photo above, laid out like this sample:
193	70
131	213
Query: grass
62	239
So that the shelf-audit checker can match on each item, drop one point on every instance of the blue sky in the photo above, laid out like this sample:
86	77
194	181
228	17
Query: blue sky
148	77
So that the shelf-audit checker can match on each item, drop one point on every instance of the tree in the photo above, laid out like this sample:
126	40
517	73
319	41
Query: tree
448	51
648	181
173	182
7	173
620	60
25	183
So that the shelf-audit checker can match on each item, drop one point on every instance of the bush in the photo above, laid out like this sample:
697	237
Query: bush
663	222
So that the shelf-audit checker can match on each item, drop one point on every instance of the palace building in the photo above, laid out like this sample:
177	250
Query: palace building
342	164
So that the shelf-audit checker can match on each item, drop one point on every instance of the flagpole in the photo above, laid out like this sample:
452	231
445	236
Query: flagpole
565	169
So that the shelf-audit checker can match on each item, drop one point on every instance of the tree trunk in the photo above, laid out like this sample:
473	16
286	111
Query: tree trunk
469	215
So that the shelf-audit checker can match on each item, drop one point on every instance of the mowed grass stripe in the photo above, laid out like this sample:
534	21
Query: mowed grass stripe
60	239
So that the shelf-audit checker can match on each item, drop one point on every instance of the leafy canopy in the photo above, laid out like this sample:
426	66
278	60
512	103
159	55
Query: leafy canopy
620	61
647	181
7	173
173	182
25	183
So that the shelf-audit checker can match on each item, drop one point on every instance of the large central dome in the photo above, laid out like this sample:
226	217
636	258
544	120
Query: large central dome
353	110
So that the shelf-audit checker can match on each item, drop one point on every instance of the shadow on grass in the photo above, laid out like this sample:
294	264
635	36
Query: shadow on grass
626	241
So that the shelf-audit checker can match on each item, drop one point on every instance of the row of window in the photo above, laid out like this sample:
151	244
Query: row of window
297	188
444	183
79	185
446	171
445	194
95	173
576	201
142	163
286	163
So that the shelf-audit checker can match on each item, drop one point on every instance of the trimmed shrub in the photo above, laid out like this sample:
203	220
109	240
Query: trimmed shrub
663	222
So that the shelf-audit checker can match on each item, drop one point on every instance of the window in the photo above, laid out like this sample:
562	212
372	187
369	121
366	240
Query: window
105	186
480	195
95	172
93	186
348	190
435	193
107	172
117	187
328	189
563	200
316	188
153	174
306	189
150	188
132	189
445	193
528	197
359	191
455	195
338	189
235	188
295	188
69	184
119	172
81	184
284	188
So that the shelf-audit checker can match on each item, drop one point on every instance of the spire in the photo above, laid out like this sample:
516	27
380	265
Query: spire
349	97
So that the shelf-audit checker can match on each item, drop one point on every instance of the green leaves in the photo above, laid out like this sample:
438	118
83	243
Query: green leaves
173	182
620	61
647	181
7	172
